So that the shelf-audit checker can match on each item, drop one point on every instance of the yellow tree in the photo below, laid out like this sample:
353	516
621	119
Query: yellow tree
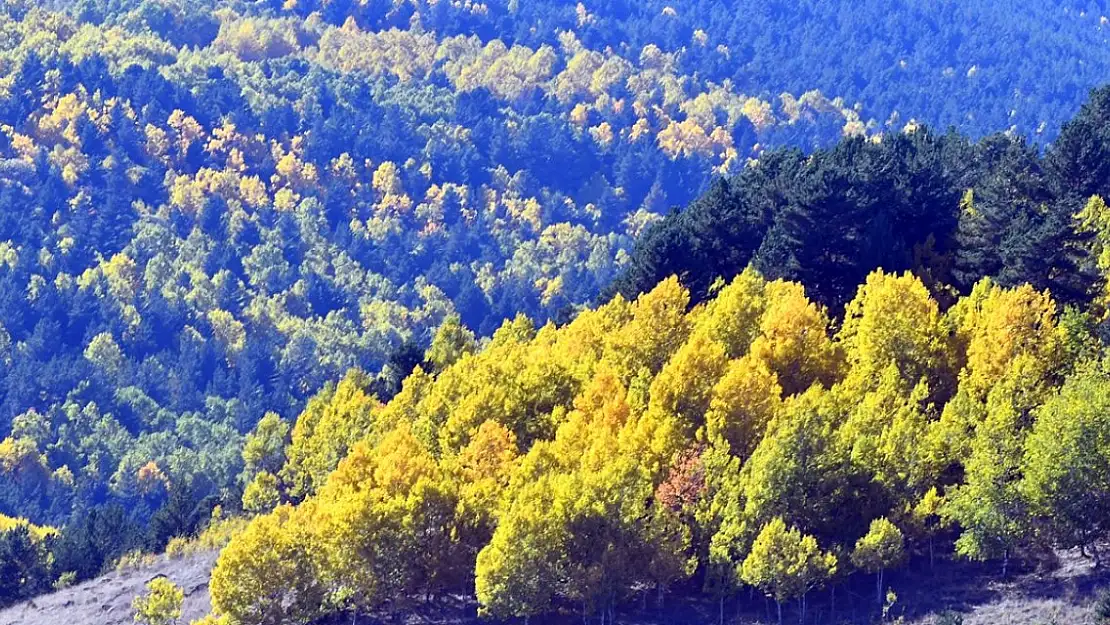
387	526
685	385
786	564
267	574
262	493
894	321
794	340
483	471
452	341
798	472
264	447
1094	219
732	317
518	572
658	327
989	507
1066	466
885	434
998	330
721	524
878	550
332	422
161	605
998	325
743	402
580	523
518	383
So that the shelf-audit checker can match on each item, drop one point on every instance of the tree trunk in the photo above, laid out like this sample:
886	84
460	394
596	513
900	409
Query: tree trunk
1005	563
721	610
778	606
879	587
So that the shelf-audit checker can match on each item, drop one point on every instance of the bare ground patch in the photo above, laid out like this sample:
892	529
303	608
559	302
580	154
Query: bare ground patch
106	600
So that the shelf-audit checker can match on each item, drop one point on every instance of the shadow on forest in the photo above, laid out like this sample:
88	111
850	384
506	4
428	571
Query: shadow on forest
950	585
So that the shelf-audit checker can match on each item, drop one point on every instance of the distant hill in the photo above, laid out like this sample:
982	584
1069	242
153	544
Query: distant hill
978	65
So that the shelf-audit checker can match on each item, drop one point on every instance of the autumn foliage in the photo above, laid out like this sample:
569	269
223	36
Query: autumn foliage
743	441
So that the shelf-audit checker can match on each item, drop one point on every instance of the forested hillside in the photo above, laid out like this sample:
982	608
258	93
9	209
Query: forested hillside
217	216
209	214
951	210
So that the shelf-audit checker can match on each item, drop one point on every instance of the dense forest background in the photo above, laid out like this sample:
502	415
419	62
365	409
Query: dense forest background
211	211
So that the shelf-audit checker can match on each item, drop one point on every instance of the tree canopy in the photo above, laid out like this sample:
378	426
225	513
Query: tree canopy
743	440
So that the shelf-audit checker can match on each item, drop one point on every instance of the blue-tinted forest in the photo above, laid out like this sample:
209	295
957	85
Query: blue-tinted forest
214	211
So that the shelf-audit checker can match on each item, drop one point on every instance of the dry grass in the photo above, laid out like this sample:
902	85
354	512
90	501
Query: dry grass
106	600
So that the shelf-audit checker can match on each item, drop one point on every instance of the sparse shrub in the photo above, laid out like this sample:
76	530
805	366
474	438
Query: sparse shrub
161	605
949	617
891	599
218	533
65	580
131	560
177	547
